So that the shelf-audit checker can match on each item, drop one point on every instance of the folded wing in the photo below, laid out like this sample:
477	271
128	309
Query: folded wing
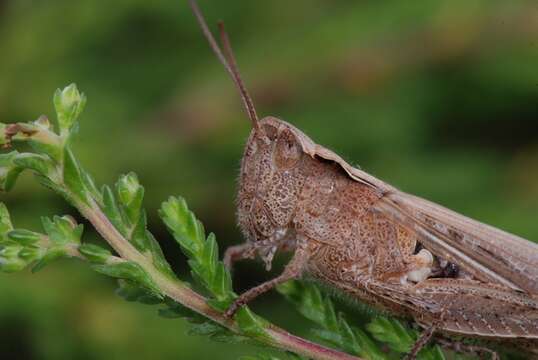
489	254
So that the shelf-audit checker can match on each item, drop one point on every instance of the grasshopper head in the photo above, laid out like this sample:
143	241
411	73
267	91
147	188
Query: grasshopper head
269	183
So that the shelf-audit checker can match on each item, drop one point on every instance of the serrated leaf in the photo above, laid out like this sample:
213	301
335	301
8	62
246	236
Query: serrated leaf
9	257
72	176
95	253
139	234
130	195
210	254
348	336
91	187
130	271
187	230
9	170
250	324
48	183
392	333
5	221
41	164
202	252
129	291
230	338
206	328
176	310
62	230
222	283
52	254
158	257
328	336
31	253
112	211
368	348
24	237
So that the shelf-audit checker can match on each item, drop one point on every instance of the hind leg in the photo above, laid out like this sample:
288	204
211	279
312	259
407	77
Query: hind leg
421	342
460	347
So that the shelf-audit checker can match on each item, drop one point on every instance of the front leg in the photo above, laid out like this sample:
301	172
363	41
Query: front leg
293	270
238	252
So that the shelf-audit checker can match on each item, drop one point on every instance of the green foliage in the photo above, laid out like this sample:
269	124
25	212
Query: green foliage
57	167
21	247
203	260
336	330
202	252
123	208
68	103
9	170
200	325
130	271
95	253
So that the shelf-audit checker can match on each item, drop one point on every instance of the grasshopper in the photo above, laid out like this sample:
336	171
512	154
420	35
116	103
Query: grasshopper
394	251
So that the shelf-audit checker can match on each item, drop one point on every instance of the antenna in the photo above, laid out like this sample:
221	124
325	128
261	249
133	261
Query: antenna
228	61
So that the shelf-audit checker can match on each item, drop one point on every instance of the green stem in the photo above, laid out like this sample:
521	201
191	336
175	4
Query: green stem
182	294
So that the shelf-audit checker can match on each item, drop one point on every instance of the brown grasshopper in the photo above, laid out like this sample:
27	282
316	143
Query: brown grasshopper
392	250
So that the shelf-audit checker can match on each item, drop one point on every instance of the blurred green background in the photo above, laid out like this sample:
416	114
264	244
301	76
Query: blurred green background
438	98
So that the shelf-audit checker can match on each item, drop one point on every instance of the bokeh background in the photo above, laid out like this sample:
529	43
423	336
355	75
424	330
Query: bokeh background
437	98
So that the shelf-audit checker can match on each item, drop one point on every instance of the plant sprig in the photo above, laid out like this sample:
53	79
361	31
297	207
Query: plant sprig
134	256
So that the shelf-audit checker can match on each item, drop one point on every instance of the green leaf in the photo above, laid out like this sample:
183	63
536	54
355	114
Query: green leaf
62	230
368	348
139	234
130	271
72	177
31	253
5	221
112	211
51	254
68	103
158	257
94	253
310	303
24	237
130	291
91	187
348	336
393	333
176	310
250	324
9	257
202	252
336	331
9	170
41	164
206	328
130	196
187	230
210	254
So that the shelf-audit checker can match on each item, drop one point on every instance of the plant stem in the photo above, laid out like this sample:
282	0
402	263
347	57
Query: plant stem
182	294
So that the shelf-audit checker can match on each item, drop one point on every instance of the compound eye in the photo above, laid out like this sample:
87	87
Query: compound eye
270	131
288	150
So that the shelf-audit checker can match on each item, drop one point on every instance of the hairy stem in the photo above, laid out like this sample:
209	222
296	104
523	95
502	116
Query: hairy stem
182	294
